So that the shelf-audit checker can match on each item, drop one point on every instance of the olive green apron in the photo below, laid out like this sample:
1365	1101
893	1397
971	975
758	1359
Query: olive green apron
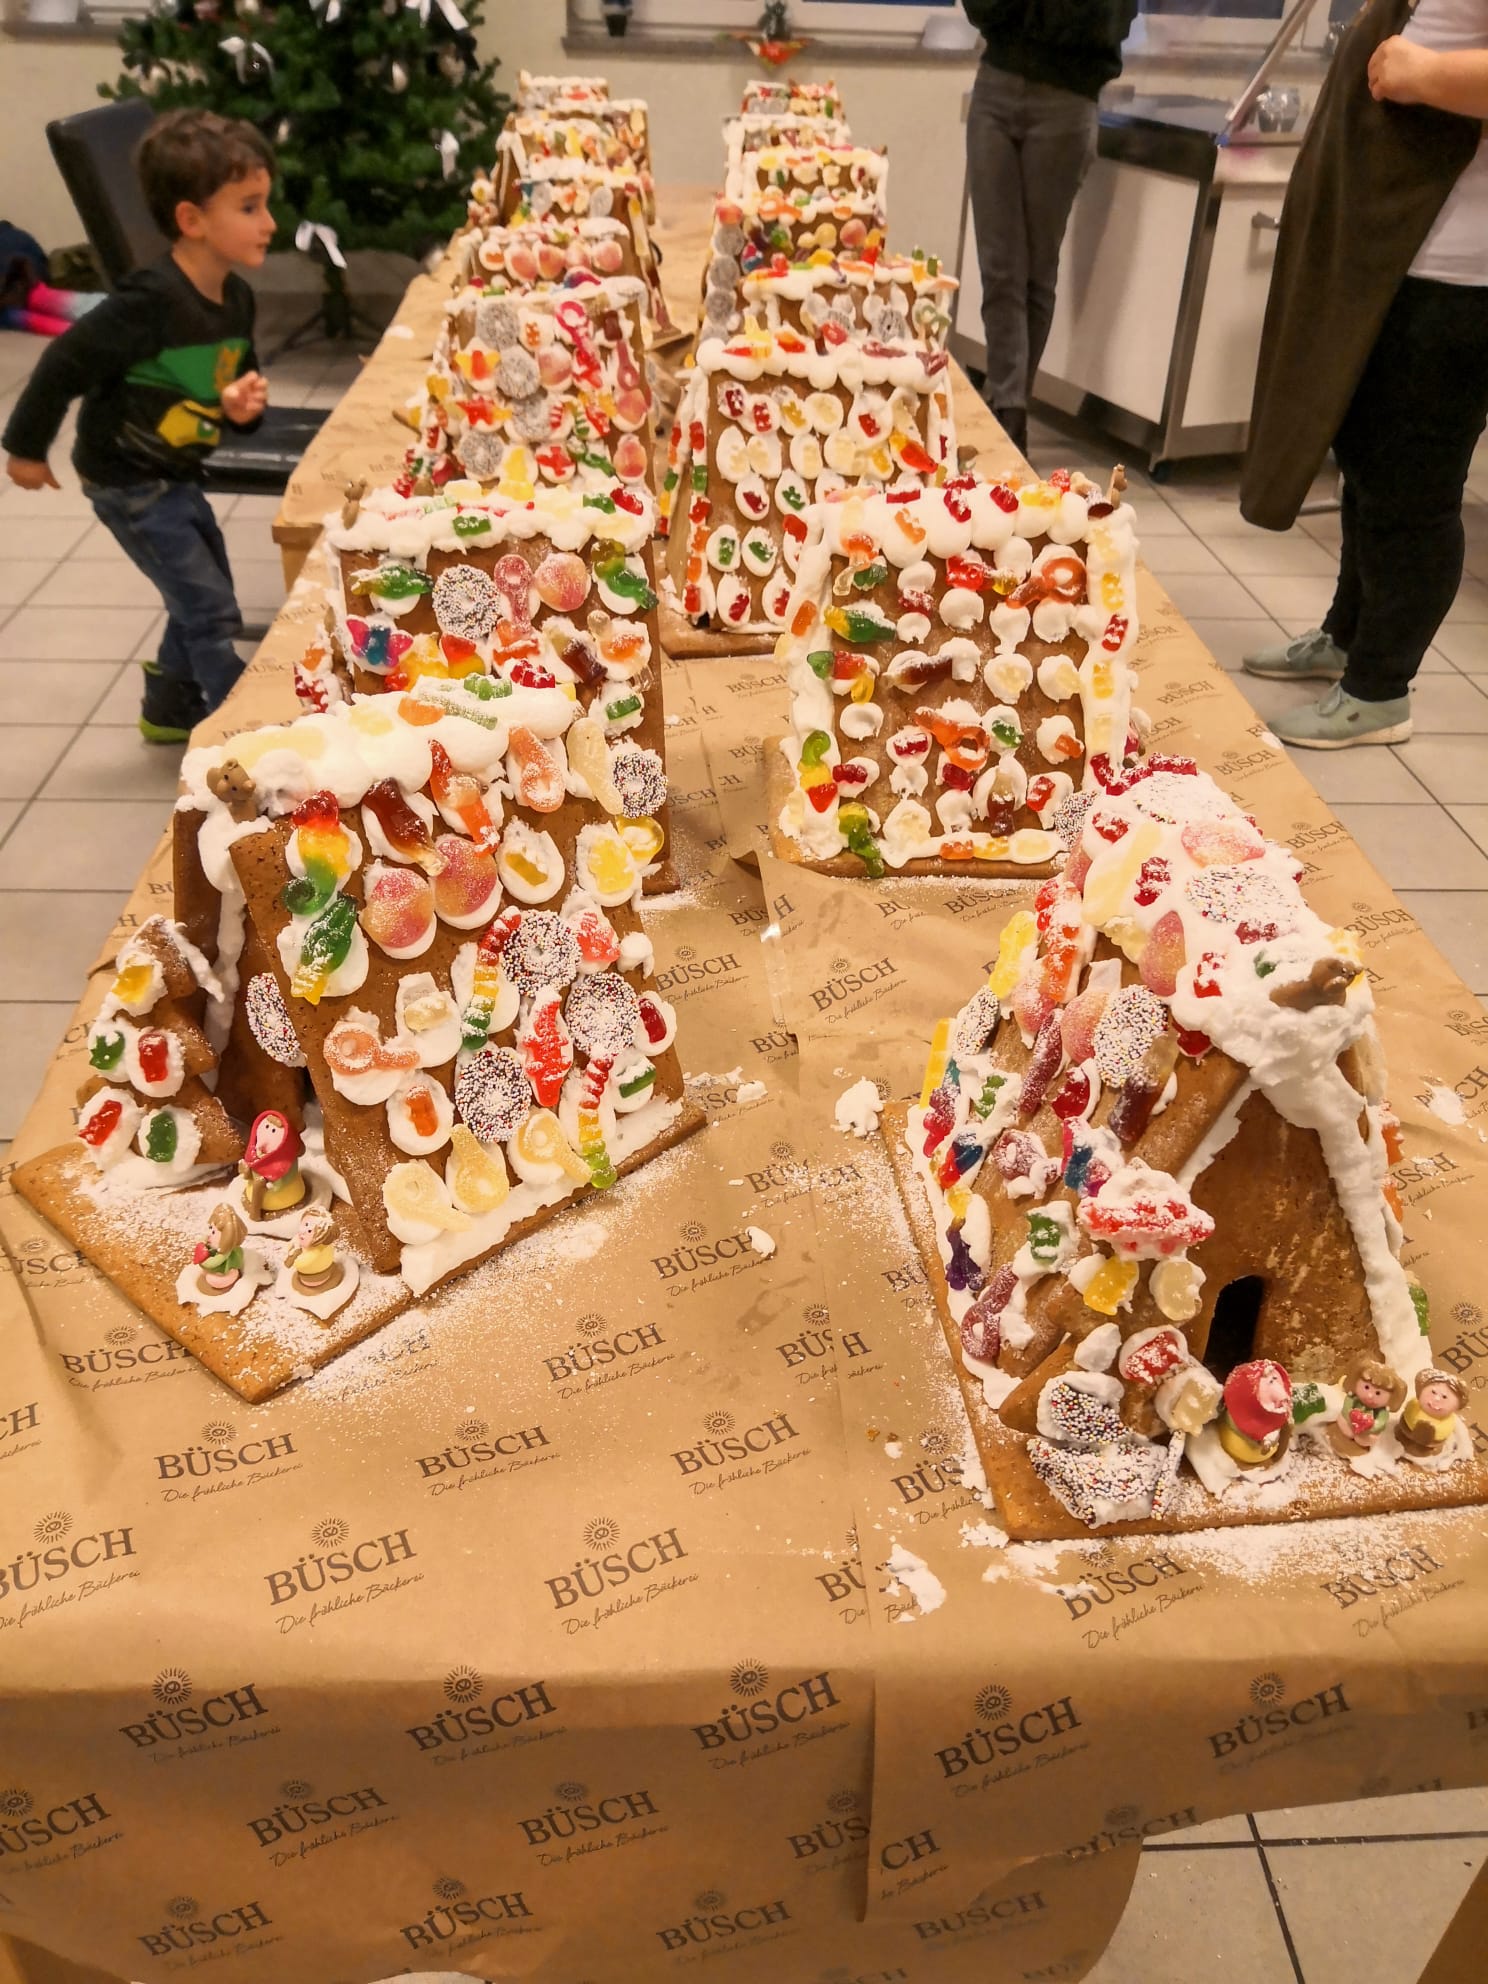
1369	182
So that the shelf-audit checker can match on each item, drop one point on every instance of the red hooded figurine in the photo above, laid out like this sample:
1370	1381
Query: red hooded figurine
1255	1422
270	1168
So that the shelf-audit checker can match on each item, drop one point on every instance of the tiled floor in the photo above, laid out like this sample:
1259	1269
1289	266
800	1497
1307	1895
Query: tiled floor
1285	1897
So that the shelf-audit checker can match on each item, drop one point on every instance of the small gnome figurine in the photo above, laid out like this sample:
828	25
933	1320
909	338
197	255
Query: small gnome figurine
270	1168
1255	1421
1425	1428
1371	1392
219	1258
313	1254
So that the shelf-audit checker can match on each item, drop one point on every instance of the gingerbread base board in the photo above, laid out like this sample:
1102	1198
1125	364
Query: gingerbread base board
680	637
255	1354
778	790
1322	1486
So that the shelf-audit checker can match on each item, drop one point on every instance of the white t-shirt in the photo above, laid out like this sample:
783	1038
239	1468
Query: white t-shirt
1456	249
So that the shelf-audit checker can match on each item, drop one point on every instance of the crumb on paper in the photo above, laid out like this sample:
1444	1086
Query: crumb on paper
893	1448
762	1242
751	1092
857	1109
912	1574
1445	1104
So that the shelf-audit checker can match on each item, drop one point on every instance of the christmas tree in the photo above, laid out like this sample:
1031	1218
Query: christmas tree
379	112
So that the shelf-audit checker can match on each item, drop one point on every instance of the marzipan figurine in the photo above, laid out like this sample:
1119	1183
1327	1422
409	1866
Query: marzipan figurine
1255	1421
270	1168
219	1258
1425	1428
317	1269
1371	1392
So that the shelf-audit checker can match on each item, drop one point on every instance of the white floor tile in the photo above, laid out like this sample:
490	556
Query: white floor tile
1466	647
1214	596
1285	554
1176	557
37	540
32	1031
1456	921
27	756
18	581
81	844
1292	598
1451	768
1198	1916
1229	641
1448	703
115	764
92	582
52	940
1372	777
1409	1813
1371	1913
1413	847
40	693
73	633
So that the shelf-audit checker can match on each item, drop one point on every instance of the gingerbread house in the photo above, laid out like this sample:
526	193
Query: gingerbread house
539	92
795	202
788	96
1152	1160
958	658
552	253
769	423
755	130
891	298
612	139
550	384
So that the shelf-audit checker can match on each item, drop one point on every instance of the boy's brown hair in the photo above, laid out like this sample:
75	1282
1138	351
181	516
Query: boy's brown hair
190	155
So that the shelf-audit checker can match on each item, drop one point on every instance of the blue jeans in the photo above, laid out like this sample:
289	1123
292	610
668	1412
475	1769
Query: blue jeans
168	530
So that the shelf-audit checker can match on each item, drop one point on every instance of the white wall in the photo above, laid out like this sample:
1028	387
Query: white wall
40	80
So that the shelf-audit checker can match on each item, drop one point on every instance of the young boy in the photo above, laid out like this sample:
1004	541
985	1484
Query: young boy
158	365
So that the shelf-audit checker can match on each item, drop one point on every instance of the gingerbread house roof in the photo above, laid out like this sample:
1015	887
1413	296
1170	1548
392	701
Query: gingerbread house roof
536	253
782	96
1169	1087
554	378
955	655
537	92
769	422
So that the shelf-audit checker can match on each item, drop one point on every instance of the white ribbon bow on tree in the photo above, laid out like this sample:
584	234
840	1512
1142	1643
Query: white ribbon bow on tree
330	8
311	231
235	46
448	146
450	11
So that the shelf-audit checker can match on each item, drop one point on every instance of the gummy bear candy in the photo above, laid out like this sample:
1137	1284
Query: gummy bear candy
106	1052
962	1272
101	1123
153	1050
161	1137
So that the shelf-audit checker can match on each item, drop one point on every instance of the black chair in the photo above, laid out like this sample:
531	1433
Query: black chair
94	151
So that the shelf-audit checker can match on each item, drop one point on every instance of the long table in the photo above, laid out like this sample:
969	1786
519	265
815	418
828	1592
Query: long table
634	1601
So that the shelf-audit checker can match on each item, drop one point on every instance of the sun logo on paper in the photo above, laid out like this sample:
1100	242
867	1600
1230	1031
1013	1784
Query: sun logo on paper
750	1677
295	1788
1467	1313
709	1898
461	1684
53	1527
781	1151
817	1317
182	1906
329	1532
590	1325
472	1429
1266	1690
448	1888
1121	1815
693	1231
119	1335
15	1803
685	953
172	1687
841	963
936	1440
601	1533
216	1431
718	1423
843	1801
993	1701
570	1791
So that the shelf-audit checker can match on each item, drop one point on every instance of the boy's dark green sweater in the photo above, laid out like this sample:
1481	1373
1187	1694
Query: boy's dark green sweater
149	364
1073	44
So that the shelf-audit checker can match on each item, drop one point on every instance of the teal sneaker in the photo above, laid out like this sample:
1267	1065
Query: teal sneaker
1341	719
169	708
1312	656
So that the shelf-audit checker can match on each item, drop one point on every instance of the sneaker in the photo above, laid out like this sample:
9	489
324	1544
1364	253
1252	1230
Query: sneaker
1341	719
1312	655
169	708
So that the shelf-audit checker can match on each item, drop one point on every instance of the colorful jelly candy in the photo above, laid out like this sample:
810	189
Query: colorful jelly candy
398	910
1110	1287
475	1021
1174	1286
132	986
602	1173
466	884
323	848
981	1326
540	1147
962	1272
562	581
416	1194
101	1122
161	1137
546	1048
1048	1052
152	1050
106	1051
324	948
536	776
935	1067
474	1174
1164	955
351	1049
1014	948
406	833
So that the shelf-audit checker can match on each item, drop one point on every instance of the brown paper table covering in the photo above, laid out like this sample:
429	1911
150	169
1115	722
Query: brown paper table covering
788	1705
